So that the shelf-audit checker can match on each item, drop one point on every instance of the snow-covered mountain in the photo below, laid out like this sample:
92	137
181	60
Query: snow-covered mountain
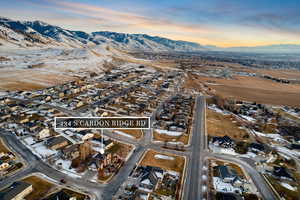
39	34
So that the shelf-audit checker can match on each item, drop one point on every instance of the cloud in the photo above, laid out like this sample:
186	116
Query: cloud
118	18
217	22
282	24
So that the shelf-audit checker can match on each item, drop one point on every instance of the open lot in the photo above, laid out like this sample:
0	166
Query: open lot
175	164
40	186
255	89
288	190
287	115
30	79
3	147
43	188
133	132
287	74
184	138
221	125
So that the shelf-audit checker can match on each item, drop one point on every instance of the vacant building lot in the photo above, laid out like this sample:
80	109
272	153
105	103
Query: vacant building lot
289	190
182	139
164	161
255	89
40	186
3	147
221	125
137	134
287	74
43	188
30	79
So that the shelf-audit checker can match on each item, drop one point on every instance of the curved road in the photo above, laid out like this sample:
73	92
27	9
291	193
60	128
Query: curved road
195	155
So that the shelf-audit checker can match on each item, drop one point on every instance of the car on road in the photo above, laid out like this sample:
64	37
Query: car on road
63	181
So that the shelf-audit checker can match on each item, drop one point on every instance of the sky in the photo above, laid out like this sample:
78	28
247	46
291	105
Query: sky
224	23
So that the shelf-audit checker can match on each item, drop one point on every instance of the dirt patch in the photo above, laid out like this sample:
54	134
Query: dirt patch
283	191
40	186
3	147
175	165
30	79
191	82
255	89
221	125
135	133
184	138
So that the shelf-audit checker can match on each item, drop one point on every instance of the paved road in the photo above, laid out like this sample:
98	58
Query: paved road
195	155
263	188
192	187
99	191
35	164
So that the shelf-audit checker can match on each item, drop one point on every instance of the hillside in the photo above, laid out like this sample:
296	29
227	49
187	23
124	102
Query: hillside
24	34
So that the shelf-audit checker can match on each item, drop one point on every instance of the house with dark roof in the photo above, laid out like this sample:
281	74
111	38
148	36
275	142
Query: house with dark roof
57	142
16	191
295	146
70	152
257	146
227	174
60	195
281	172
224	141
228	196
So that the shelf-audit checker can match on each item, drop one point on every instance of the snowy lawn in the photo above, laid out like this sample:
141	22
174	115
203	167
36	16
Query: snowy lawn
43	151
217	149
169	133
288	186
29	140
221	186
250	119
66	167
218	110
159	156
124	134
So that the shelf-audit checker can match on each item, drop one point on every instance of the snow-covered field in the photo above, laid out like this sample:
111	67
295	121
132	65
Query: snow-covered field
169	133
57	59
176	143
288	186
124	134
250	119
37	68
42	151
275	137
65	166
218	110
221	186
163	157
287	151
29	140
217	149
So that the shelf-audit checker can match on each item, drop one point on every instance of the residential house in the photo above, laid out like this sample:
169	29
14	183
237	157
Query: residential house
61	195
44	133
225	141
58	142
226	174
71	152
16	191
281	172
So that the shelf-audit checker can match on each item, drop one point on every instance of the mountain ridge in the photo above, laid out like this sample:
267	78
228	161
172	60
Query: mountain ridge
27	34
40	34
